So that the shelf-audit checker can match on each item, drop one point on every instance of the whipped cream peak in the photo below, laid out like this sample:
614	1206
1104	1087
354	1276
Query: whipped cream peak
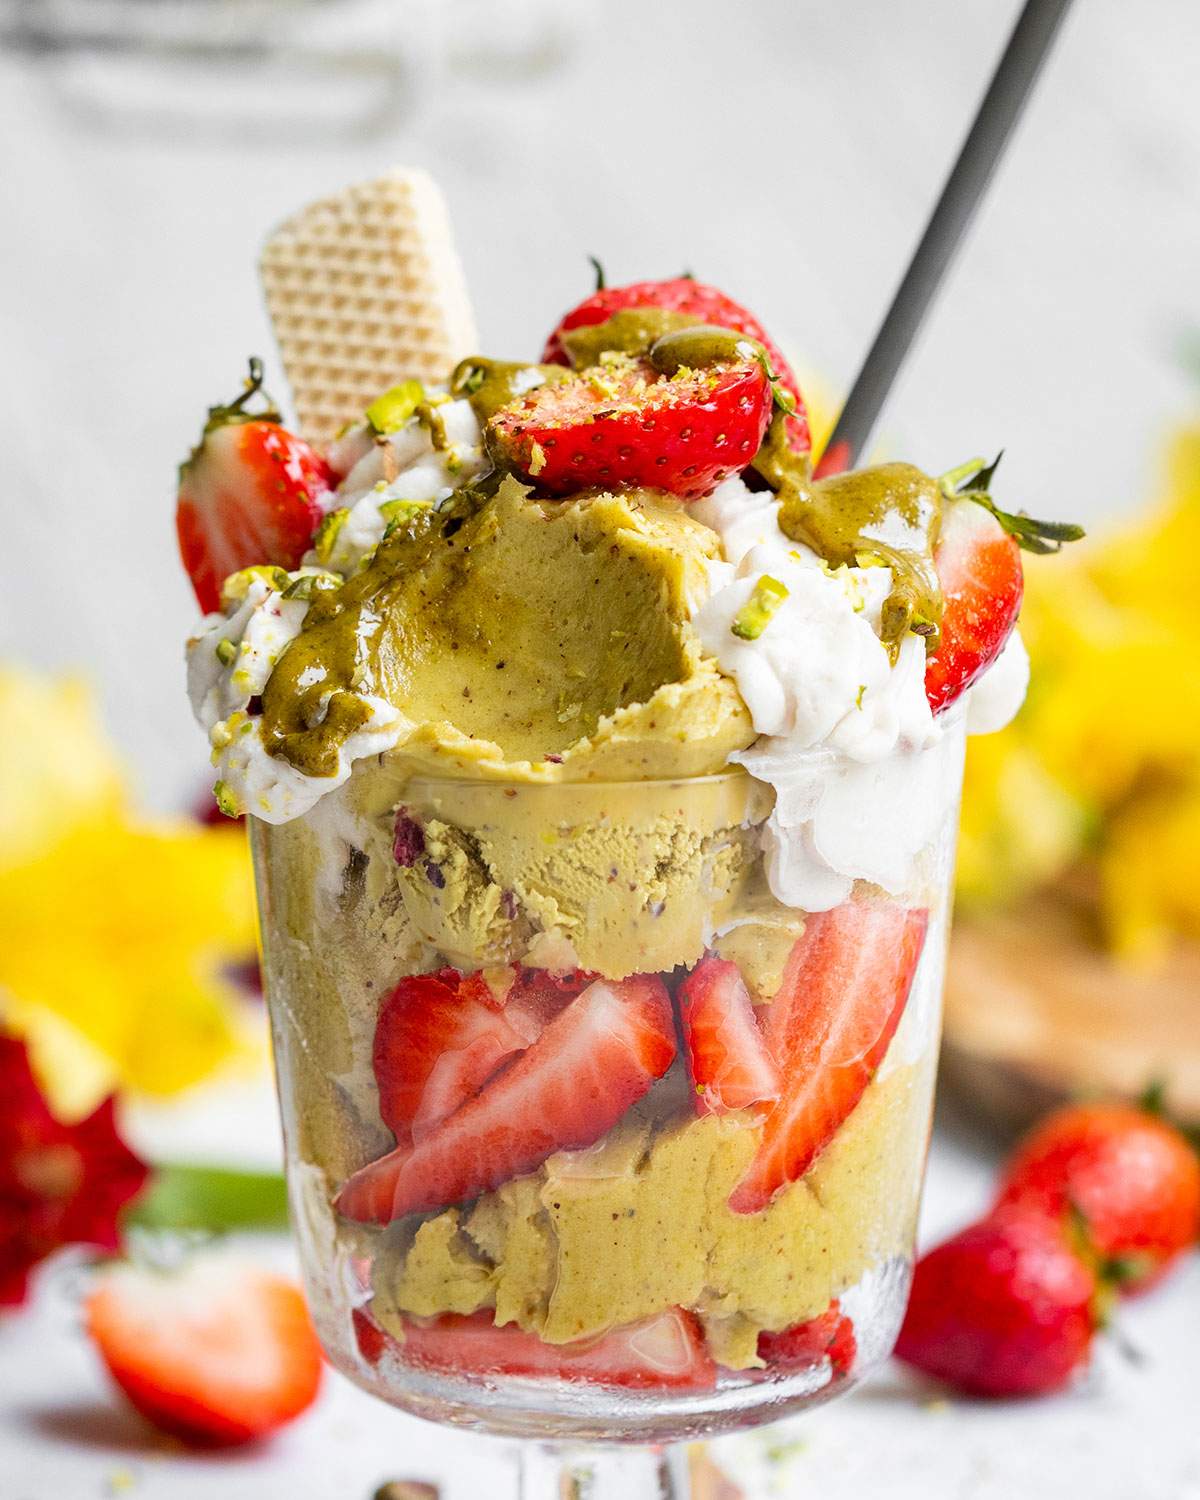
863	772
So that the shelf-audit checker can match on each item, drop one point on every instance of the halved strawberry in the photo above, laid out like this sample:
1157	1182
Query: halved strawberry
216	1352
727	1057
844	989
567	1089
248	493
666	1350
627	424
693	299
829	1336
437	1040
979	568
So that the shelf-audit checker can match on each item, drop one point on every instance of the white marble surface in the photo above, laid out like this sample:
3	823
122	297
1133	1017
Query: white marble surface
1128	1433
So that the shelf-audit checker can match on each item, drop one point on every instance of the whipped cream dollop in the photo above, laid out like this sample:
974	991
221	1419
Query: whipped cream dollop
405	468
232	653
863	773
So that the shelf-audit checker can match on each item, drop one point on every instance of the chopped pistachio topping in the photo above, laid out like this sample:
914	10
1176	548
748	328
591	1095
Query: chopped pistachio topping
310	584
755	615
537	459
398	512
237	585
226	652
226	800
389	412
326	533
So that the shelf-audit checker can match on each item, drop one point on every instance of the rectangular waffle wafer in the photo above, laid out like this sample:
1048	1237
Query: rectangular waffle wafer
365	289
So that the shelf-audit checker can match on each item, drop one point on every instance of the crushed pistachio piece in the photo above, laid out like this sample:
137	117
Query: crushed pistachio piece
237	585
389	412
755	615
308	585
226	800
326	533
537	459
226	652
397	513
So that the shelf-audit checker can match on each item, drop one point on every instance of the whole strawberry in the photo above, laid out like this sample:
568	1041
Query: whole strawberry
1004	1308
1128	1179
248	493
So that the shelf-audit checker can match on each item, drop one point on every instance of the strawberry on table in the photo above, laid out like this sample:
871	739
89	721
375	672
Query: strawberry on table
1123	1177
844	989
727	1057
248	493
570	1086
692	299
626	423
828	1336
217	1352
1004	1308
665	1350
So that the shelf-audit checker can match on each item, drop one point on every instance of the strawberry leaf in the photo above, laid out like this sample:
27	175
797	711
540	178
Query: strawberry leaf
972	481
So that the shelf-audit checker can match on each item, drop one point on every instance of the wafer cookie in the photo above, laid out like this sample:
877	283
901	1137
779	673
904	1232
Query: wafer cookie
365	289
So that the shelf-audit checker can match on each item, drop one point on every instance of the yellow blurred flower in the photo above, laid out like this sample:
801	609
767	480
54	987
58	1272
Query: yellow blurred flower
1102	765
114	929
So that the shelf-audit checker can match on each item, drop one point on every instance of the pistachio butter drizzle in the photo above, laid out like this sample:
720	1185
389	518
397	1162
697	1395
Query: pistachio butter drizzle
313	701
843	518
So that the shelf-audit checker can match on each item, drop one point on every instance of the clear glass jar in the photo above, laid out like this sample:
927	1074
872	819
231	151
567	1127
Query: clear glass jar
588	1135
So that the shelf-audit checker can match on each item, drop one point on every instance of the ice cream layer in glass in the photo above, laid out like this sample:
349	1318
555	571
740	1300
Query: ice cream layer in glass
602	770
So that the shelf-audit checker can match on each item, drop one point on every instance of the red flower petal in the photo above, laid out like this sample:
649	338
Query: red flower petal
59	1184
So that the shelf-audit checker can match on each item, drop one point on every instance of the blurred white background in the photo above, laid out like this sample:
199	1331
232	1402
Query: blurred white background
785	150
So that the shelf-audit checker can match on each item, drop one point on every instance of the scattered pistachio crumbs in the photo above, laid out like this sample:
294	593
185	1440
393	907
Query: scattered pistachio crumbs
755	615
326	533
226	801
226	652
389	412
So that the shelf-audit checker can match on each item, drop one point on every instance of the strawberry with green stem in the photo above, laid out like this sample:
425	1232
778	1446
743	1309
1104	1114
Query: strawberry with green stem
249	492
978	565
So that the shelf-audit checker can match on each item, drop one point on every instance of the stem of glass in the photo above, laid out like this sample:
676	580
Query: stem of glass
553	1471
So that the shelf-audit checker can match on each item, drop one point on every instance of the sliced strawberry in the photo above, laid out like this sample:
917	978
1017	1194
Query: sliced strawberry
979	569
666	1350
844	989
537	996
372	1341
249	493
694	300
567	1089
217	1352
830	1336
437	1040
727	1057
627	424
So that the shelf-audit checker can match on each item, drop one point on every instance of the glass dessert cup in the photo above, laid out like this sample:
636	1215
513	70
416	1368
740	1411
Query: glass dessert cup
589	1137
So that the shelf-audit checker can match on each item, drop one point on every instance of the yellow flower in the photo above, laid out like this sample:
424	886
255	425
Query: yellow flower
114	930
1103	762
1150	874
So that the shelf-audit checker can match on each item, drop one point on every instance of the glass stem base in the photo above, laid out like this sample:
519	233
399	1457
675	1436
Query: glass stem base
555	1471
